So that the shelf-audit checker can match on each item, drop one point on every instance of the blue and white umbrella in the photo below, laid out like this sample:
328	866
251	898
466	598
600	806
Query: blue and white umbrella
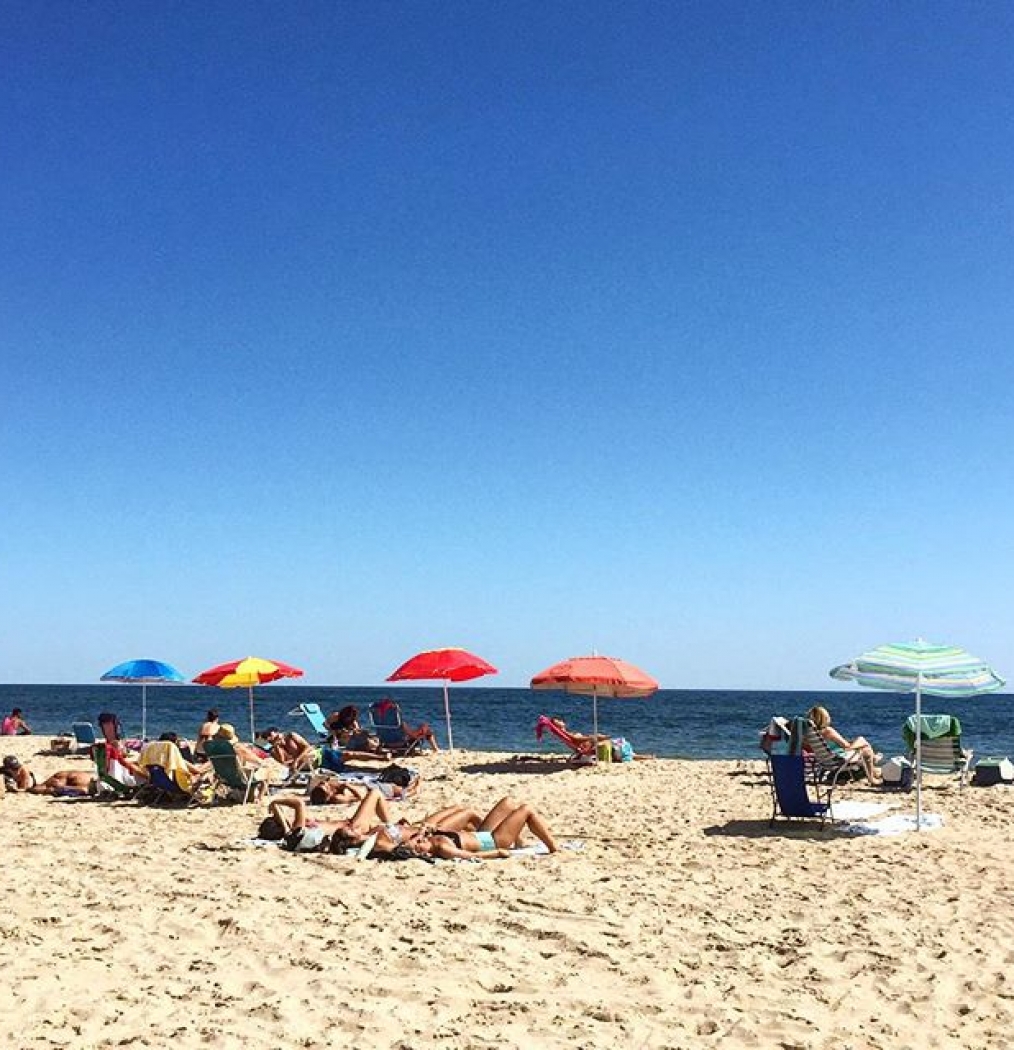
920	667
143	673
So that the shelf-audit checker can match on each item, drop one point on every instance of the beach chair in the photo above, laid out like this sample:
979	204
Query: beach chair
240	784
828	767
776	733
941	752
582	750
315	717
169	780
385	718
116	779
791	781
84	736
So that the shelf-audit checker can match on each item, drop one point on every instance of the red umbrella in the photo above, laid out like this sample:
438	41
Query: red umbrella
596	676
450	665
250	671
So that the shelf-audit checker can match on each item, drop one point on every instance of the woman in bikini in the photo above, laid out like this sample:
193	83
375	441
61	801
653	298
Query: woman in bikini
454	832
289	822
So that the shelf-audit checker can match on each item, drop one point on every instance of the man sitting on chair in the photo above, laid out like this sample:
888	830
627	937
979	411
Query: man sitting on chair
290	749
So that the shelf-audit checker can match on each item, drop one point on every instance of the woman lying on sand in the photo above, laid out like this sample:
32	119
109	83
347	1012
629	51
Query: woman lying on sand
451	832
454	832
18	778
289	823
460	833
328	791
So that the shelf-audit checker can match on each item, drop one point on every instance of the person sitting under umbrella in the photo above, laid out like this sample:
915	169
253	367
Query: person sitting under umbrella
587	742
422	732
290	749
821	719
264	768
209	728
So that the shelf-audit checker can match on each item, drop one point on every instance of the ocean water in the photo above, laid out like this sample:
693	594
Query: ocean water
672	723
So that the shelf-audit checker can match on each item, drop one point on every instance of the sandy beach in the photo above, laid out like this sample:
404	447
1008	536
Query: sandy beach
683	922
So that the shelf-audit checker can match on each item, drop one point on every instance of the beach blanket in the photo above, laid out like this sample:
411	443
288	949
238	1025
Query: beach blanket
851	810
895	824
537	849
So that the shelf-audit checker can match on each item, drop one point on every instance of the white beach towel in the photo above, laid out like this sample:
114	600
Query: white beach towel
539	849
895	824
851	810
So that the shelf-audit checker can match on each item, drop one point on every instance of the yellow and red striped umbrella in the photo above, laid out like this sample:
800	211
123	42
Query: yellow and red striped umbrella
248	672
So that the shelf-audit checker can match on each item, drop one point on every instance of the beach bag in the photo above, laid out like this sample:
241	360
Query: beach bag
396	775
623	750
990	771
898	773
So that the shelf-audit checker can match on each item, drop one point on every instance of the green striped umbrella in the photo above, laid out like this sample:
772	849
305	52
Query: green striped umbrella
920	667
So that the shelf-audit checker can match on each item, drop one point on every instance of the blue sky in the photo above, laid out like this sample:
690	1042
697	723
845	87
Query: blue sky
332	332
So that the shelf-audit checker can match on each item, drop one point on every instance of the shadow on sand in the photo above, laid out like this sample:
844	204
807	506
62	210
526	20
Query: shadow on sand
761	829
534	764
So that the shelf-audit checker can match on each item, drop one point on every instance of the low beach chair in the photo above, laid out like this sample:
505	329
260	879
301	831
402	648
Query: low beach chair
791	783
169	780
941	752
582	750
240	784
829	767
84	736
315	716
111	773
385	718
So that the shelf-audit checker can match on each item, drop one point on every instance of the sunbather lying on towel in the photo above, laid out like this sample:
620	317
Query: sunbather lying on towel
18	777
331	790
66	782
455	832
289	822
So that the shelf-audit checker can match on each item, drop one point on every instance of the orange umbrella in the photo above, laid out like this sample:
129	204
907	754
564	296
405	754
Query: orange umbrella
596	676
450	665
250	671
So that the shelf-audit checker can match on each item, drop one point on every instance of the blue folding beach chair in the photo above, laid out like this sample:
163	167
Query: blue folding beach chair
314	716
84	735
790	791
385	718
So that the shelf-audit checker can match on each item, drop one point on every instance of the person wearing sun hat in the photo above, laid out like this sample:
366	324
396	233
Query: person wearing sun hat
250	758
17	776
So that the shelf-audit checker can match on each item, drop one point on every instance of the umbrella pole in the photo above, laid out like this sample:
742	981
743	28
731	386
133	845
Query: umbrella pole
447	717
595	723
253	734
918	752
144	712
